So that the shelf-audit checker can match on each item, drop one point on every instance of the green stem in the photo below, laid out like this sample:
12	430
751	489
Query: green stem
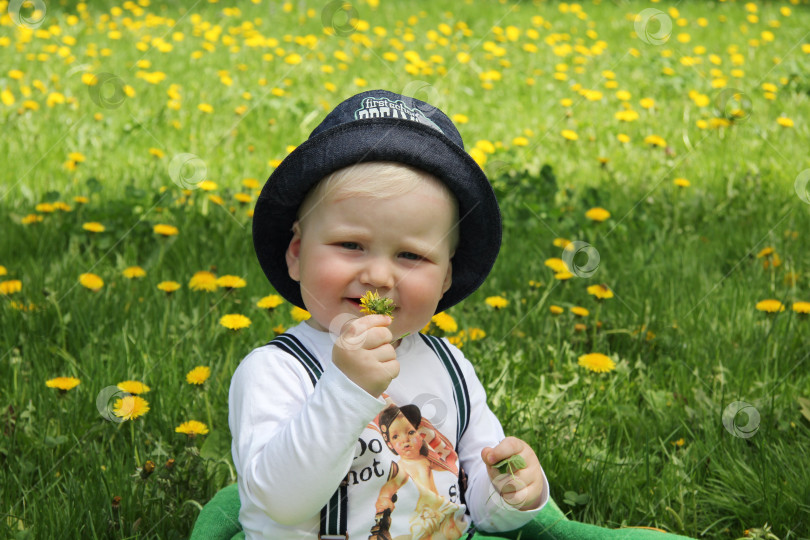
132	441
208	410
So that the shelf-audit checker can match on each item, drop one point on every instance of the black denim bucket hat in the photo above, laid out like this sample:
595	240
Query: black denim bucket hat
379	125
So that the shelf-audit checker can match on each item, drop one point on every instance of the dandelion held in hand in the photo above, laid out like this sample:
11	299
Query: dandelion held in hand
372	303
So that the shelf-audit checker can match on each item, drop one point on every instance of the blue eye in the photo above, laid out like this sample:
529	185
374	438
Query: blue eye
350	245
411	256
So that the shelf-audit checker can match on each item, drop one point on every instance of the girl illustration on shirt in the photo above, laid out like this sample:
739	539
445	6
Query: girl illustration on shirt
406	433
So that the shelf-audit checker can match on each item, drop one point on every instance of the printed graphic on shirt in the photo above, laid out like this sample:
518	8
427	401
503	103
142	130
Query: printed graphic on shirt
382	107
420	455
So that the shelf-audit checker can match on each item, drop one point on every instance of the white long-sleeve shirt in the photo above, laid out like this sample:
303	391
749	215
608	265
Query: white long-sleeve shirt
294	443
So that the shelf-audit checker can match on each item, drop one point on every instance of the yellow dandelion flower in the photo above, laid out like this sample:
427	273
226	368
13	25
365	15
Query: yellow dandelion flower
242	198
556	264
299	314
802	308
168	286
681	182
569	135
3	270
563	276
44	208
63	383
679	442
192	428
496	302
579	327
270	302
784	121
655	140
556	310
93	226
91	281
372	303
444	322
597	214
600	291
208	185
580	311
203	281
520	141
765	252
623	138
476	334
250	183
596	362
133	387
132	272
278	330
234	321
10	286
130	407
81	199
231	282
561	242
770	306
165	230
198	375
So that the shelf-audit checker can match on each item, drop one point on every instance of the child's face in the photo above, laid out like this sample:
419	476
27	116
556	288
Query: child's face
398	246
403	438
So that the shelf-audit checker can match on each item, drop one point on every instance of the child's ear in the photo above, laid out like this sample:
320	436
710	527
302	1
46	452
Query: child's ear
293	254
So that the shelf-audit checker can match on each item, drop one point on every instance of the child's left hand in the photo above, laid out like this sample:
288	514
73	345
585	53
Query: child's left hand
523	489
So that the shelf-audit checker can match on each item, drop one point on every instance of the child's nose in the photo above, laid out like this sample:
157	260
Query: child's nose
378	273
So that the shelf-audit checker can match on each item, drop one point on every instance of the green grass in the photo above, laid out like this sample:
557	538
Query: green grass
682	262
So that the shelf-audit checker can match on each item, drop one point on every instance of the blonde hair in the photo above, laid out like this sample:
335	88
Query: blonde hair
378	180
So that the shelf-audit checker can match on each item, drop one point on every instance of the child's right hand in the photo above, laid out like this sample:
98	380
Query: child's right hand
364	353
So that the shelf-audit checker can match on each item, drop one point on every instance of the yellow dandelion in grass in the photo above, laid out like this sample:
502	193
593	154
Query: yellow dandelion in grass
45	208
596	362
655	140
561	242
520	141
133	272
231	282
80	199
234	321
250	183
770	306
192	428
59	205
765	252
168	286
556	264
243	198
679	442
165	230
597	214
579	327
456	341
372	303
563	276
133	387
556	310
63	383
203	281
130	407
784	121
3	270
279	329
270	302
580	311
569	135
445	322
207	185
476	334
601	292
802	308
93	226
91	281
10	286
496	302
299	314
198	375
681	182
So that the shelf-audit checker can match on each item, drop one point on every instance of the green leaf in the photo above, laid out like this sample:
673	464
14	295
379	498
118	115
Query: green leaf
511	464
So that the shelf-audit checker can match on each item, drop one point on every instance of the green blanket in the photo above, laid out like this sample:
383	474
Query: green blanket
219	520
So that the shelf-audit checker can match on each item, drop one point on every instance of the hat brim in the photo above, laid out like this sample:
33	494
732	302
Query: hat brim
379	139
